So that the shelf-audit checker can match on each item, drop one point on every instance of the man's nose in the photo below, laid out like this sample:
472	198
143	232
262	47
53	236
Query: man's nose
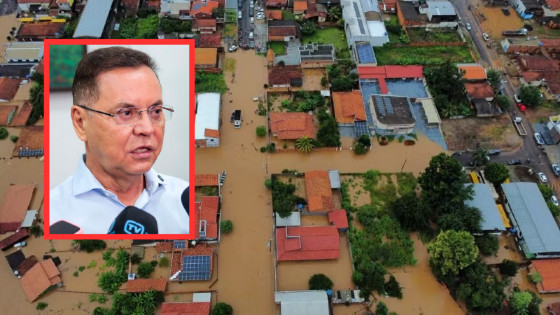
144	125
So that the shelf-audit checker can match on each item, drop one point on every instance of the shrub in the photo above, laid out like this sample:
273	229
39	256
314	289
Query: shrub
263	149
145	269
535	277
268	183
3	133
135	259
393	288
226	226
154	263
271	148
261	131
360	148
164	262
488	245
76	274
320	281
81	268
91	245
409	142
14	138
42	305
222	308
508	268
365	140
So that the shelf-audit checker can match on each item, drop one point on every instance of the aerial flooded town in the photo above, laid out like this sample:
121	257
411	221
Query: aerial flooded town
351	157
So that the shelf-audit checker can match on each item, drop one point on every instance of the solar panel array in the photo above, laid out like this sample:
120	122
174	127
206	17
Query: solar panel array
366	54
359	19
389	106
379	104
195	268
196	6
28	152
179	244
384	105
360	128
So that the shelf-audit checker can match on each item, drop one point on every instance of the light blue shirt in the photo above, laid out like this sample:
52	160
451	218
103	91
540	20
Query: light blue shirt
83	201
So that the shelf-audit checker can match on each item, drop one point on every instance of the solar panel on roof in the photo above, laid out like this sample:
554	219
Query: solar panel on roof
195	268
366	54
379	104
389	106
179	244
360	128
28	152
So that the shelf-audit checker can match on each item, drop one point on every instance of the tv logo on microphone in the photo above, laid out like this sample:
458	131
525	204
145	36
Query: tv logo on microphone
133	227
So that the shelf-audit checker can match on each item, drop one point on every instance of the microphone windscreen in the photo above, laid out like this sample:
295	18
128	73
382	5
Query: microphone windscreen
65	227
134	221
185	199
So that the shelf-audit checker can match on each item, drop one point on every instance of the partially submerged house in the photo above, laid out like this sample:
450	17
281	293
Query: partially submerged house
291	126
285	76
40	278
307	243
549	269
144	285
207	120
314	302
348	107
318	191
391	114
206	220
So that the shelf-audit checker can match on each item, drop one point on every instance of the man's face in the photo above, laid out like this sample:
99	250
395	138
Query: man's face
123	151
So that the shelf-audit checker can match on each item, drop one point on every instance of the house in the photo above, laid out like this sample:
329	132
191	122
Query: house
339	219
299	6
527	9
177	9
207	120
478	90
521	45
363	54
13	208
553	126
472	71
203	180
538	63
283	31
210	40
363	24
8	88
316	10
206	220
551	8
348	107
15	259
285	76
177	308
29	32
33	5
153	4
144	285
318	191
536	231
21	117
316	56
389	6
484	108
415	13
192	264
549	269
291	126
203	9
24	52
299	243
439	11
9	241
391	114
276	4
30	142
39	278
382	73
408	14
95	19
273	14
130	7
205	58
204	26
484	201
7	114
310	302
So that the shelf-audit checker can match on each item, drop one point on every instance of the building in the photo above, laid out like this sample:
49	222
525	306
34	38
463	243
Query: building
538	63
484	201
316	56
479	90
339	219
549	269
302	302
207	120
204	26
307	243
285	76
391	114
276	4
177	9
205	58
33	5
24	52
210	40
439	11
527	9
206	220
30	32
348	107
194	308
203	180
191	264
130	7
553	126
39	278
318	191
8	88
432	115
291	126
472	71
316	10
537	232
521	45
144	285
416	13
30	142
283	31
96	20
203	9
382	73
299	6
13	208
273	14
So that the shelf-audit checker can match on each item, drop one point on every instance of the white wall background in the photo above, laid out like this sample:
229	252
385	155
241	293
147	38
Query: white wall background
173	71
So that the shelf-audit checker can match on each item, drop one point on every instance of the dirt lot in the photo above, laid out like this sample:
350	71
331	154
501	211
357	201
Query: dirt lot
494	22
491	133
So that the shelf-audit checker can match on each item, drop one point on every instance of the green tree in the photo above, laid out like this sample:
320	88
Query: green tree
365	140
546	191
334	13
304	144
135	259
342	83
494	78
381	309
496	173
508	268
222	308
42	305
218	12
480	289
519	302
463	219
226	226
488	245
110	281
3	133
91	245
14	138
535	277
393	288
452	251
168	25
411	212
530	96
369	276
503	102
320	281
446	80
164	262
145	269
308	27
261	131
324	81
147	27
328	134
359	148
480	157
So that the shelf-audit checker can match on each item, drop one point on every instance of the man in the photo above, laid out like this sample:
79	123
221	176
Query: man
119	115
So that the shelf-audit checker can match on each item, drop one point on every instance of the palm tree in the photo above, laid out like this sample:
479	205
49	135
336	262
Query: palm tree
480	157
334	13
304	144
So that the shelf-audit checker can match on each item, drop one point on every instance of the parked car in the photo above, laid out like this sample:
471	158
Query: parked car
554	200
506	11
251	13
522	107
251	35
232	48
239	15
514	162
20	244
556	169
542	177
485	36
259	9
468	26
252	44
252	20
539	138
494	152
516	98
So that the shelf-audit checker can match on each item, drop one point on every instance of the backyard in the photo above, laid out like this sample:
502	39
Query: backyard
279	48
328	35
408	55
418	34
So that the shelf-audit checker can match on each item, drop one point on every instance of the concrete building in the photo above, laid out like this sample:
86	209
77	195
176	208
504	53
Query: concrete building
391	114
207	120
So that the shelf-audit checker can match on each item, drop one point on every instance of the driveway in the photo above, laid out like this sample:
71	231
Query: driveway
291	57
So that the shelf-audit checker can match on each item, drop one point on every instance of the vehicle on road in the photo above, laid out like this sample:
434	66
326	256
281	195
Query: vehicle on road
514	162
522	107
556	169
239	15
252	20
251	35
237	118
516	98
494	152
542	177
554	200
539	138
20	244
506	11
485	36
519	32
252	44
468	26
232	48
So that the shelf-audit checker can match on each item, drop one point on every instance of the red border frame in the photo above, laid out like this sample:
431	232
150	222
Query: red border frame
46	204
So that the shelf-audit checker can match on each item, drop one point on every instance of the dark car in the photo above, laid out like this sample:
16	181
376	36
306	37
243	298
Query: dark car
506	11
514	162
494	152
556	169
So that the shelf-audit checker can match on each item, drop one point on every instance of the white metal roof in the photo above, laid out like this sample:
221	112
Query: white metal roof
293	220
207	114
24	50
430	110
202	296
302	302
93	19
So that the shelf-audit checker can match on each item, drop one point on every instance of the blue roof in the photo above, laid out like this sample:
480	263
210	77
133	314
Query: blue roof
483	200
365	53
94	18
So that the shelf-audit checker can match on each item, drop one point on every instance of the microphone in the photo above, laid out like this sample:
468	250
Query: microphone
185	199
134	221
65	227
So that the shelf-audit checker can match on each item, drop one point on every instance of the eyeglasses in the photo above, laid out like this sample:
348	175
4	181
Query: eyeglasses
129	116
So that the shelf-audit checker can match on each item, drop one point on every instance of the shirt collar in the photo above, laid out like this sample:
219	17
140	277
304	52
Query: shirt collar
83	180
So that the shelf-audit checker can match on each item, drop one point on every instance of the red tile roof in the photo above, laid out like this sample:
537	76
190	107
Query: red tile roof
479	90
338	218
348	107
22	115
390	72
8	88
205	8
307	243
195	308
198	23
210	40
211	133
529	76
550	42
473	72
318	191
300	5
153	3
554	87
163	247
389	4
31	137
43	29
550	272
282	31
538	63
274	14
5	112
9	226
553	4
143	285
207	210
15	202
26	265
276	3
39	278
291	126
284	75
201	180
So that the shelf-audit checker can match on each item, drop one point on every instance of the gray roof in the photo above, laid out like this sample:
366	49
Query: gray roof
392	109
29	218
441	8
532	217
334	178
93	19
302	302
293	220
483	200
24	50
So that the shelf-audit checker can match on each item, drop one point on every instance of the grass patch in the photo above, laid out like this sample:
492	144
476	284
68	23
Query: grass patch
230	30
209	82
406	182
405	55
231	15
286	15
328	35
419	34
279	48
229	65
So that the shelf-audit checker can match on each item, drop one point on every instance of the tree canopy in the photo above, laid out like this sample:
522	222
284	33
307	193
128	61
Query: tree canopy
530	96
411	212
222	308
480	289
496	173
328	134
320	281
452	251
494	78
446	85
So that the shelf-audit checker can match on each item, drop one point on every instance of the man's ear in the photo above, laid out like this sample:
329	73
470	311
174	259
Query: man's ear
79	121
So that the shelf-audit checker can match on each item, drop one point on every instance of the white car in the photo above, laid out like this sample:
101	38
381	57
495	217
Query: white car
251	35
485	36
252	19
516	98
539	138
239	15
542	177
468	26
554	200
259	9
232	48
